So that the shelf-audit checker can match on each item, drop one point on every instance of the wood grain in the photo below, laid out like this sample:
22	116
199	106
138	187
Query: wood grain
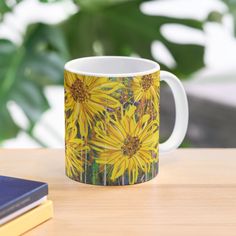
194	194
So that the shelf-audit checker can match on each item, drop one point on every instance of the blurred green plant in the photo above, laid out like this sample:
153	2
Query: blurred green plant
25	70
232	10
102	27
216	16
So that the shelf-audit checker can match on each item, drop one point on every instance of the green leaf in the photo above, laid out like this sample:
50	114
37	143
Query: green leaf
31	99
49	1
7	52
98	4
189	58
8	128
4	7
25	70
232	10
7	6
122	29
215	16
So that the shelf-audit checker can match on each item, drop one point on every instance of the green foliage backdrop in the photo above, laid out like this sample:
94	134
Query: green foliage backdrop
107	27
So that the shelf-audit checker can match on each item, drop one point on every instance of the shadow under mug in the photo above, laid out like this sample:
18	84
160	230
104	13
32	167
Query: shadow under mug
112	119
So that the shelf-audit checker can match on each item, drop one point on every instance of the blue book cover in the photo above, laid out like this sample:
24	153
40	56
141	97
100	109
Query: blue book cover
18	193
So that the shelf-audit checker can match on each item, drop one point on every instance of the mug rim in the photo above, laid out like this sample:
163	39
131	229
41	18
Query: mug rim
70	66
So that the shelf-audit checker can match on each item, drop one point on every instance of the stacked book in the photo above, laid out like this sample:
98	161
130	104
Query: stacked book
23	205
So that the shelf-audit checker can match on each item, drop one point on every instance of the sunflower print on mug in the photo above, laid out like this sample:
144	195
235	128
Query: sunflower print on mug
87	97
75	151
112	128
127	145
145	88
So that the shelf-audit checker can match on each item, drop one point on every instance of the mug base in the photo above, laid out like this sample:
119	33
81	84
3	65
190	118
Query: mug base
121	181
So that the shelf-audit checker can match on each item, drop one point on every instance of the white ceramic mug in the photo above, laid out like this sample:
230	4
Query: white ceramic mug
112	119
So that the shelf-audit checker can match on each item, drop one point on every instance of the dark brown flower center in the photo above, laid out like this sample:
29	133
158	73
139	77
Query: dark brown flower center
79	91
124	97
131	146
147	82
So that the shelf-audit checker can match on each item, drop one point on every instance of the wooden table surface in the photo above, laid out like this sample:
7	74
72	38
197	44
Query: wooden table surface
194	194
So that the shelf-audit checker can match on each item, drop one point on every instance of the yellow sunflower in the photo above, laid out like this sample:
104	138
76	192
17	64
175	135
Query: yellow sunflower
146	88
127	145
87	97
75	150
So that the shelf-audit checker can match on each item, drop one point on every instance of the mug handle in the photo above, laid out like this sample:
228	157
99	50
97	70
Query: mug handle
181	110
